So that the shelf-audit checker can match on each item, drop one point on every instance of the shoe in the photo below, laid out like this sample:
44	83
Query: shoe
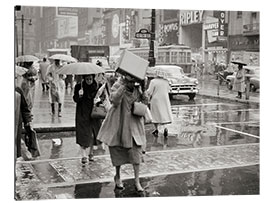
118	184
165	132
59	114
91	157
155	133
139	189
84	160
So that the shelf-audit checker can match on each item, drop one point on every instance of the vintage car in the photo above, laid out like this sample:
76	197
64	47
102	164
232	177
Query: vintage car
179	82
254	71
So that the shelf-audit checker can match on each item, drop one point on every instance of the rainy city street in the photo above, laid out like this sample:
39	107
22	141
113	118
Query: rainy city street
212	149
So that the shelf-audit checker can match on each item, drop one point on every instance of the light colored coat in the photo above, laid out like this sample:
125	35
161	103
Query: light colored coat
239	81
120	126
43	66
57	84
160	105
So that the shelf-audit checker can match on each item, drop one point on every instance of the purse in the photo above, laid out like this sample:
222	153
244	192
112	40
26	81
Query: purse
139	109
99	112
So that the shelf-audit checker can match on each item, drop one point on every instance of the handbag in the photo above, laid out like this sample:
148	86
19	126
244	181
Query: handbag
99	111
139	109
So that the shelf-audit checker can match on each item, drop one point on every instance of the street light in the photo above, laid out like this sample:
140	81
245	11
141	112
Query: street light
22	19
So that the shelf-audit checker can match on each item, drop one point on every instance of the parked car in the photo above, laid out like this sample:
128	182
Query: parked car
254	79
179	82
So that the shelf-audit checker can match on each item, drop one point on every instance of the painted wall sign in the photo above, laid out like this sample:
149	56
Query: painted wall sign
191	17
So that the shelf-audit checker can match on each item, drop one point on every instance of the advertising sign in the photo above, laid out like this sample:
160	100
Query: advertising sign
67	27
191	17
143	34
66	11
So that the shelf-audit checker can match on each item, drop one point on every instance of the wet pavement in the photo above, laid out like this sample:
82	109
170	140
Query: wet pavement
212	149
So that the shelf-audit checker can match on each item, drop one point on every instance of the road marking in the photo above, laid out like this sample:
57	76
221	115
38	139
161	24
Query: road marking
236	131
232	123
241	110
209	104
148	152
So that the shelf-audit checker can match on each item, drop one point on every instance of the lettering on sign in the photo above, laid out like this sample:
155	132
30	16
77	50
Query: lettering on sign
191	17
143	34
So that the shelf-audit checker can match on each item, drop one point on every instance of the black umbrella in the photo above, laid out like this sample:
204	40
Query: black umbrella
239	62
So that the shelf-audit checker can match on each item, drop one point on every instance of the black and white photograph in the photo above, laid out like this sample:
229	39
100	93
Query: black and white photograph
142	101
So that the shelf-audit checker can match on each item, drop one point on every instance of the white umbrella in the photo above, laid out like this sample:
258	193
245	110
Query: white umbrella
80	68
20	70
63	57
26	58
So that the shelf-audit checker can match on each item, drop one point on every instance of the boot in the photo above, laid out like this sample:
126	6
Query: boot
53	109
59	110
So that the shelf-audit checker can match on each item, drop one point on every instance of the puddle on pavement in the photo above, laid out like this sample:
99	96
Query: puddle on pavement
233	181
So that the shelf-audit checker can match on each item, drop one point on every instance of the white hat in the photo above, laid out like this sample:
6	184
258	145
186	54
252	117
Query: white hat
161	73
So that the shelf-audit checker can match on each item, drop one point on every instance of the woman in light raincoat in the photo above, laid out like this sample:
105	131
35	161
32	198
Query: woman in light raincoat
239	81
57	87
122	131
160	106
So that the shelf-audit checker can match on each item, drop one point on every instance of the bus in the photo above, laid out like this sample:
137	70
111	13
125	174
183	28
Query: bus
179	55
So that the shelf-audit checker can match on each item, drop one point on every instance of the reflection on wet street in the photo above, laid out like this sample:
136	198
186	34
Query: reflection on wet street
235	181
212	149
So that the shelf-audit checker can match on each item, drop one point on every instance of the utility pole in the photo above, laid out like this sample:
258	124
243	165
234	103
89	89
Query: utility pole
152	60
22	19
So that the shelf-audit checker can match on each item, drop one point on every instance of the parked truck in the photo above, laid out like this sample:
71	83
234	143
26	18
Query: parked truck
92	53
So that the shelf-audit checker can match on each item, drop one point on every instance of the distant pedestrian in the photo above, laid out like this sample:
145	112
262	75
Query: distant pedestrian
160	105
239	81
57	87
123	131
43	66
86	127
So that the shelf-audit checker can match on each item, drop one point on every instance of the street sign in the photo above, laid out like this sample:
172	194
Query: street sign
143	34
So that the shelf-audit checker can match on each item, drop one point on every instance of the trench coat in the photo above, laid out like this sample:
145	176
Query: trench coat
121	127
57	85
43	66
86	127
160	105
239	81
22	115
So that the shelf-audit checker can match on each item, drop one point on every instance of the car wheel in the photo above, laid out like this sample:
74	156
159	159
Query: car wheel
229	85
191	96
252	88
170	96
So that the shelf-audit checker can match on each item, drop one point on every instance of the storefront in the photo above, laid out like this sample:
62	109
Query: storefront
245	48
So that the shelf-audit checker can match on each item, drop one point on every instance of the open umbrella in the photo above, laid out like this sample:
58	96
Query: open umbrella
26	58
63	57
20	70
239	62
80	68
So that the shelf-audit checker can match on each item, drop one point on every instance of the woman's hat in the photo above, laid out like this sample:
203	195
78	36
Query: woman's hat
161	74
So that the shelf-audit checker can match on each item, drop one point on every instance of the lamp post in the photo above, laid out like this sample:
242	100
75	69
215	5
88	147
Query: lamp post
22	19
152	60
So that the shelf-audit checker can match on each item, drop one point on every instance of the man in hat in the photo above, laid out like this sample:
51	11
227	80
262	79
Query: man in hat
239	82
43	70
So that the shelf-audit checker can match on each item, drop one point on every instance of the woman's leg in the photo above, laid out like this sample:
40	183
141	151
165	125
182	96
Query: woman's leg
84	154
91	153
155	132
136	168
117	178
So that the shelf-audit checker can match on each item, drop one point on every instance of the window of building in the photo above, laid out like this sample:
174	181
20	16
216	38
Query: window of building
239	14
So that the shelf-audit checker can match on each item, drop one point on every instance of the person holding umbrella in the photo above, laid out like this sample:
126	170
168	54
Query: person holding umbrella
57	86
86	127
239	82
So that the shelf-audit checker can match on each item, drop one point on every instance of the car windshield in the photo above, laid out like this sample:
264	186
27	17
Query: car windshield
173	72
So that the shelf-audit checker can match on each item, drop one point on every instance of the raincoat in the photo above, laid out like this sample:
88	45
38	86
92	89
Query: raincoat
57	85
239	81
160	105
43	66
121	127
86	127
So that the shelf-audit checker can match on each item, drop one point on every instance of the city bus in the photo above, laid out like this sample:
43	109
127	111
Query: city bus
179	55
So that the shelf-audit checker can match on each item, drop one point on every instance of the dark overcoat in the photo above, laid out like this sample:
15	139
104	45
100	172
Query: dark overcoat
86	127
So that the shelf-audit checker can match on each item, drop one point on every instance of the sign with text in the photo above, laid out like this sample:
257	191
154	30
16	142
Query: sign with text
191	17
66	11
143	34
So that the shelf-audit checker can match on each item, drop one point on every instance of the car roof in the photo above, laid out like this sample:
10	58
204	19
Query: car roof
167	66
